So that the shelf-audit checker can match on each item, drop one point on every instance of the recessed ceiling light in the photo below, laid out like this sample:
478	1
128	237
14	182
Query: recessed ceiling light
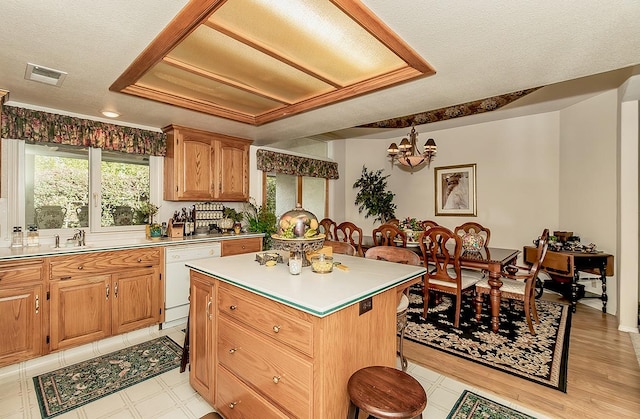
45	75
110	114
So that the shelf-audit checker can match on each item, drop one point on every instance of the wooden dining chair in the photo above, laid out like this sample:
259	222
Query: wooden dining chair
407	257
327	227
428	224
389	235
343	248
441	249
518	283
474	228
350	233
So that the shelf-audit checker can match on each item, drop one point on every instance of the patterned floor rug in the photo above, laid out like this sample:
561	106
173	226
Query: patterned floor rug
541	358
473	406
70	387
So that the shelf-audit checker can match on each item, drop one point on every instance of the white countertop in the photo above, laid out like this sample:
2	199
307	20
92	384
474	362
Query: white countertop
46	250
317	294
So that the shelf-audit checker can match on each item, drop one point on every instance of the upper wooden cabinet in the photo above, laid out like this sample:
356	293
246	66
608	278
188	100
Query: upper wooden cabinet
201	165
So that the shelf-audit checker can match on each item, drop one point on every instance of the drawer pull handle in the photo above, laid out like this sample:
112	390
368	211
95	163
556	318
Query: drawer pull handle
276	329
232	405
232	351
232	308
139	260
276	379
37	304
107	291
80	267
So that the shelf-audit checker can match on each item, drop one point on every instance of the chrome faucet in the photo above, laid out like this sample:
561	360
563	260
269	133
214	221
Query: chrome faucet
79	238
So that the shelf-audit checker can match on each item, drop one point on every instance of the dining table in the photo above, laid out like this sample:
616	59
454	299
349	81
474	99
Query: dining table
489	259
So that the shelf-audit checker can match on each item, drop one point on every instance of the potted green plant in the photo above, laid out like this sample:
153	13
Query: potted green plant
374	197
144	213
261	219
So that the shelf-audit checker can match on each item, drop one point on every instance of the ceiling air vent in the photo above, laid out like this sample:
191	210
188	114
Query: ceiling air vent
44	75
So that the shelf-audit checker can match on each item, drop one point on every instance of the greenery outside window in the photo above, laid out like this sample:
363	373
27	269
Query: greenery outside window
61	190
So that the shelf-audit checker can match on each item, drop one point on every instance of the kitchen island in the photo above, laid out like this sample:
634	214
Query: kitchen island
265	343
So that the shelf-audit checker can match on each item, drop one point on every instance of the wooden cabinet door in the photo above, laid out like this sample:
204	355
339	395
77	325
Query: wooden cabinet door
80	310
20	323
135	300
195	167
232	162
201	333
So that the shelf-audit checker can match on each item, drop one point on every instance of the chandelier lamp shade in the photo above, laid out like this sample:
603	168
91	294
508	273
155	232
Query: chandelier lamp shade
407	153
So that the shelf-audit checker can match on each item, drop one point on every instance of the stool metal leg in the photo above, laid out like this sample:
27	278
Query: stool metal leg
401	327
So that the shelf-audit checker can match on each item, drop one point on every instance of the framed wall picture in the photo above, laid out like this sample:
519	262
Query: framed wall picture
456	190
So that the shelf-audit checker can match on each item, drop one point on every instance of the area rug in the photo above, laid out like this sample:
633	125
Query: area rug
70	387
473	406
541	358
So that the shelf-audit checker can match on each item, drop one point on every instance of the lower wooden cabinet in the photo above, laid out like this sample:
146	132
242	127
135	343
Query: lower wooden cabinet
22	308
201	332
80	311
104	294
21	324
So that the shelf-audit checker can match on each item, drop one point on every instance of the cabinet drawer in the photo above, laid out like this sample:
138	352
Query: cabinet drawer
235	400
18	273
270	318
238	246
101	262
281	375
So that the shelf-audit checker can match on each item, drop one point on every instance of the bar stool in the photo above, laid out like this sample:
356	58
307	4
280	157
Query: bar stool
385	393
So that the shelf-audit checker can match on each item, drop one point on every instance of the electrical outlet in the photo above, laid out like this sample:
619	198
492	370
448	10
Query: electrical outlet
366	305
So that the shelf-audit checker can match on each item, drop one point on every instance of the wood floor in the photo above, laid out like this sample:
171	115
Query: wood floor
603	375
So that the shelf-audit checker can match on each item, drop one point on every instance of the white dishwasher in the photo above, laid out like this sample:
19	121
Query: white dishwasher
177	278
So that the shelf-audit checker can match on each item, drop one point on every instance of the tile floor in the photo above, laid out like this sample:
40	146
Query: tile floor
169	395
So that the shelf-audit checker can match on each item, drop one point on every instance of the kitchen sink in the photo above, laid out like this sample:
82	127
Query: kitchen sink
69	248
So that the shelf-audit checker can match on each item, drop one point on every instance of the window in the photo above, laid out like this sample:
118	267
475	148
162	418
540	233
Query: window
288	190
60	182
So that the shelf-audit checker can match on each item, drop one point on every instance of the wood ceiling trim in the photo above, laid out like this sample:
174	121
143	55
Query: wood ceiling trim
377	83
185	22
376	27
193	104
198	12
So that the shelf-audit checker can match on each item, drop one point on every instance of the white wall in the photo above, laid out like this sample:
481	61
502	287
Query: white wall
588	202
517	176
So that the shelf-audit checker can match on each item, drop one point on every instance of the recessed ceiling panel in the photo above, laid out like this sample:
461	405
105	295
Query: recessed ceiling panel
313	33
256	61
247	68
180	83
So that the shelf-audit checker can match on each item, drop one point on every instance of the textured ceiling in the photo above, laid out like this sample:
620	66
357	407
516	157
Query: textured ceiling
479	50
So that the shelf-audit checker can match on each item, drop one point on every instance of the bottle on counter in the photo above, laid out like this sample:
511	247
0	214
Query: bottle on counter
17	237
33	237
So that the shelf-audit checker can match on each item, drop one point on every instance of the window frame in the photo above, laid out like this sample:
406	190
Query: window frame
13	155
299	194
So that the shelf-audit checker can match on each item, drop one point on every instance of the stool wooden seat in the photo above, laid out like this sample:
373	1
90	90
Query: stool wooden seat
385	393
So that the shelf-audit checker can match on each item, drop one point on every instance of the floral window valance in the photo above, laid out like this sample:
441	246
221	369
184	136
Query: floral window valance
272	161
43	127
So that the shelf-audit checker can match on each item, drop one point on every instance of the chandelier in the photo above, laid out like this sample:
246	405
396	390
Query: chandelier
407	153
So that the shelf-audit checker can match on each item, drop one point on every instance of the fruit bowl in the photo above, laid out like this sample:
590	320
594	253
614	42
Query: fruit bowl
297	224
